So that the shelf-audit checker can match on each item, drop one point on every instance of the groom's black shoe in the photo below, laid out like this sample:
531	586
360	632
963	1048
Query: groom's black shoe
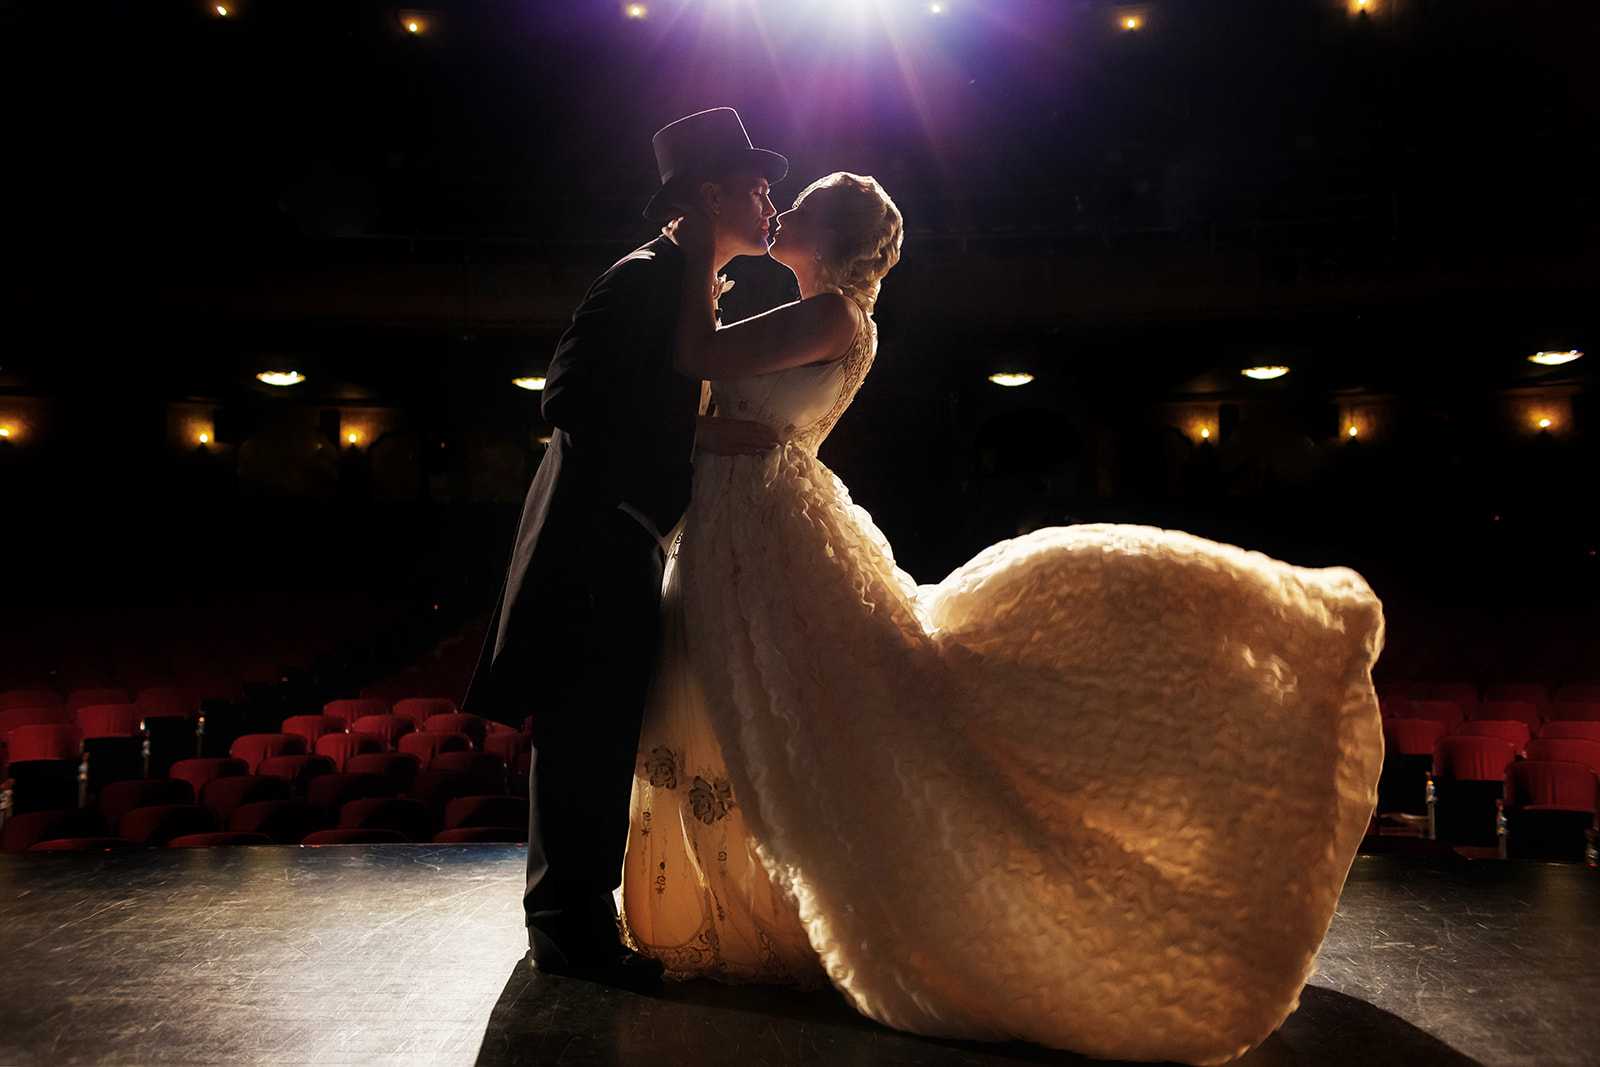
611	965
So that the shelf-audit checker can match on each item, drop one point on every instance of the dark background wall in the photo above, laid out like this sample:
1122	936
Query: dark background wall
1397	202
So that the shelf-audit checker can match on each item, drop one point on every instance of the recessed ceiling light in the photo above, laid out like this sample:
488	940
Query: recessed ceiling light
1011	379
1554	359
1262	374
281	377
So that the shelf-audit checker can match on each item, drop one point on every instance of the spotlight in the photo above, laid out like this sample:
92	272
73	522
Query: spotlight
1205	433
1262	374
204	439
533	384
1544	424
284	377
5	431
412	27
353	438
1352	431
1131	22
635	11
221	10
1554	359
936	8
1011	380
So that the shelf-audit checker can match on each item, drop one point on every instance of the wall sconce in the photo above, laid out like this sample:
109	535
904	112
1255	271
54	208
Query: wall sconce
281	377
532	384
1263	374
1554	359
1011	380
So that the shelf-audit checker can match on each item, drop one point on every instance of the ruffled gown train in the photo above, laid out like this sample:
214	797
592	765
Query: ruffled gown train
1099	789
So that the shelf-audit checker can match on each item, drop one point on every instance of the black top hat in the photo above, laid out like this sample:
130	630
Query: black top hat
703	146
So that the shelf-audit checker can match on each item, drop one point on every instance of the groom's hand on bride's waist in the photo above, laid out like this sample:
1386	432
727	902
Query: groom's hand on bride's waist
734	437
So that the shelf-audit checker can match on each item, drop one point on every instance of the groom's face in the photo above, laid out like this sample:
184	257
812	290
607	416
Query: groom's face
743	211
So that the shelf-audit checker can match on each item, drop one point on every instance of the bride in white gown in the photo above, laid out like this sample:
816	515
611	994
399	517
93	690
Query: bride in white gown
1099	789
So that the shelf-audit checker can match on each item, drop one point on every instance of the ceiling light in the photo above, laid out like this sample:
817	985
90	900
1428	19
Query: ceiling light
534	384
636	11
281	377
1554	359
1011	379
1262	374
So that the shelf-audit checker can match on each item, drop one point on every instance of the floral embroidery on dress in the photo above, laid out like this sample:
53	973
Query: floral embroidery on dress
711	800
661	767
857	362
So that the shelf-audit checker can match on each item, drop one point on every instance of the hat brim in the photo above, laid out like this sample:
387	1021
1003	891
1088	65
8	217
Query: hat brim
772	166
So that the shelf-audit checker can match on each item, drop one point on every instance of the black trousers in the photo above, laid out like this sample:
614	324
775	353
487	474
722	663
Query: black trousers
586	731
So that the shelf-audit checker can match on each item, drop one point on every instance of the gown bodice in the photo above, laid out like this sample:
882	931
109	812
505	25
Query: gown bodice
801	403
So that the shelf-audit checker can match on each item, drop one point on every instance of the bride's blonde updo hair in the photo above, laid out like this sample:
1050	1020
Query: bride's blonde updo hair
866	231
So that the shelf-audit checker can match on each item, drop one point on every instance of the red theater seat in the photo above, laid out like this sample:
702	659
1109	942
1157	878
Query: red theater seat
1588	731
487	811
475	727
1447	712
163	701
197	772
82	844
1467	784
389	727
409	817
341	748
1568	749
400	768
118	798
83	698
29	698
312	727
1516	732
1578	694
253	748
420	709
299	770
1549	810
1526	692
1522	711
477	834
351	710
1573	711
426	744
160	823
333	791
109	720
226	795
287	822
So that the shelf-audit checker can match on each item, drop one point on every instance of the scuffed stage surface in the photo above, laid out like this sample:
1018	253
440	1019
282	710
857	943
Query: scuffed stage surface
412	955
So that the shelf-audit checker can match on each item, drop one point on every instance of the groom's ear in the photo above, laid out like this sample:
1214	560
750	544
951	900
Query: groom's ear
711	197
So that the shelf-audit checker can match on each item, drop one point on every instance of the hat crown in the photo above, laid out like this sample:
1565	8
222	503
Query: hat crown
700	143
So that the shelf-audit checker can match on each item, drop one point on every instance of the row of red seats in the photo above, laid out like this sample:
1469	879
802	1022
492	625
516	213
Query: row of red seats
1466	694
1476	789
1452	713
271	785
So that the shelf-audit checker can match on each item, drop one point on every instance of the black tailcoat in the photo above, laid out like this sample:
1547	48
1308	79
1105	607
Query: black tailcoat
573	637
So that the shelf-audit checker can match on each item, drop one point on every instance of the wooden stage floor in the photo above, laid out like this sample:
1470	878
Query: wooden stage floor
412	954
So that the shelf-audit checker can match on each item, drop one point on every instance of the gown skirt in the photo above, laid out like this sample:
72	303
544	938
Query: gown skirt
1099	789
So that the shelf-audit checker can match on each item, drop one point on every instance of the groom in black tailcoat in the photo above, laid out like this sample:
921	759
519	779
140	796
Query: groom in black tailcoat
573	638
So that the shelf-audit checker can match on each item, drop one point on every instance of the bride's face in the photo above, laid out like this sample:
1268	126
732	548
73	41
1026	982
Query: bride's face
794	242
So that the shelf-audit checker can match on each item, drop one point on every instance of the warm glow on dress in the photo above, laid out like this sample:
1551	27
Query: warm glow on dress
283	377
1554	359
1011	379
1262	374
534	384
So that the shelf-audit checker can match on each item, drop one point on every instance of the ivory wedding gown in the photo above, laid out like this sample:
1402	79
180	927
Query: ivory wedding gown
1099	789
